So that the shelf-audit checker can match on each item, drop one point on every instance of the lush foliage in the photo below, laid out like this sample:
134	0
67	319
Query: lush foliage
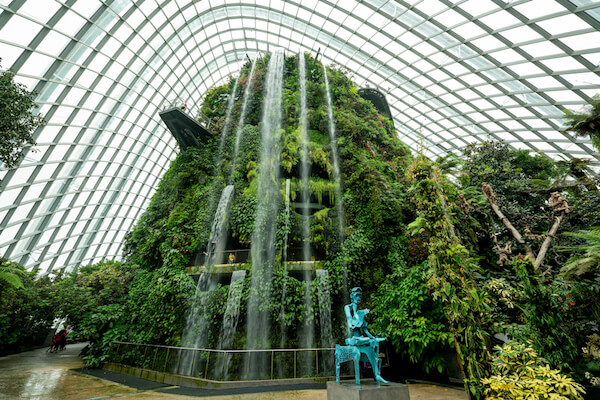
444	273
407	316
586	123
93	302
17	121
591	352
518	373
27	309
451	270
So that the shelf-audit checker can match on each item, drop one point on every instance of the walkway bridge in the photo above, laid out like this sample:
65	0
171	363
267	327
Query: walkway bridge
187	130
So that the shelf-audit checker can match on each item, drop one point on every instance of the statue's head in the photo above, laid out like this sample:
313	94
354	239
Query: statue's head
356	295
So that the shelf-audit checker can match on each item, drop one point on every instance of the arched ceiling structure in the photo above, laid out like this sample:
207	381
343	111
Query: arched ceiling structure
454	72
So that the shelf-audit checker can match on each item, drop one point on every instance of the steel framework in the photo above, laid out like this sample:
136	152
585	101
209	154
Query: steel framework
453	71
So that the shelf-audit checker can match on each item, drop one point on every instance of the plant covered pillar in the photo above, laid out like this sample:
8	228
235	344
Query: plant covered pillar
450	272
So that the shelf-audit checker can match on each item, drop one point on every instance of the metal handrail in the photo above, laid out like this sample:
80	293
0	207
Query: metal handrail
126	353
223	350
191	109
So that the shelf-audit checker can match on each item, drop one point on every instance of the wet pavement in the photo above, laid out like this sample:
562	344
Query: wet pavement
39	375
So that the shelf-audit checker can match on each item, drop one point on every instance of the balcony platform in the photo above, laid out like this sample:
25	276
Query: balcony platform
187	131
227	269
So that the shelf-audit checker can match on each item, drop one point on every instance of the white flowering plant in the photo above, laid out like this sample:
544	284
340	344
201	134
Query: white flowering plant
592	352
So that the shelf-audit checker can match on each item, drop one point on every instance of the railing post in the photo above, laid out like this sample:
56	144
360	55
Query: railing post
154	360
166	360
206	368
317	361
193	360
248	364
178	360
144	358
294	364
272	357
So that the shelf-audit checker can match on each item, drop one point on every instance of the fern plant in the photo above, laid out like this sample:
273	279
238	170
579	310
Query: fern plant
9	274
587	258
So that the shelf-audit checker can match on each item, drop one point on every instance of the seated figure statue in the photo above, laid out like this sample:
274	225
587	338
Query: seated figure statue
361	343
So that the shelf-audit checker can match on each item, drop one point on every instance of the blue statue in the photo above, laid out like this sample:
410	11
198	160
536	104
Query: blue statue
361	344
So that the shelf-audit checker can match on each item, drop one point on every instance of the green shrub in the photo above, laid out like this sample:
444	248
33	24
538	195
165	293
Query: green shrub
519	373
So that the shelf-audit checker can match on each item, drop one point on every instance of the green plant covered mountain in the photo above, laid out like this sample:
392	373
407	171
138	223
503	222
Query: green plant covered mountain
449	267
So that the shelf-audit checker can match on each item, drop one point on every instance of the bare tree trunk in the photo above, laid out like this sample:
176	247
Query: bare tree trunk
546	244
489	194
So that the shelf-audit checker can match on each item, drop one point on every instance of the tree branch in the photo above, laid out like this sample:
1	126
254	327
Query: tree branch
560	207
491	197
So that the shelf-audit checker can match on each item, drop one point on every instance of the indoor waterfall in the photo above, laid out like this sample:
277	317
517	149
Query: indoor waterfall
262	249
324	296
195	333
240	125
216	243
307	335
230	322
337	176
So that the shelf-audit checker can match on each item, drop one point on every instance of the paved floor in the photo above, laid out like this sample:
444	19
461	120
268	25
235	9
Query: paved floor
38	375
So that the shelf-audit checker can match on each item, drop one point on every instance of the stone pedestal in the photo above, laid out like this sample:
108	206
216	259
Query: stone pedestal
368	390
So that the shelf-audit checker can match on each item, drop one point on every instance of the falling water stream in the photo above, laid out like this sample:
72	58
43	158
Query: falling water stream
263	239
337	177
262	249
240	126
231	316
216	243
195	333
324	296
307	331
282	324
230	322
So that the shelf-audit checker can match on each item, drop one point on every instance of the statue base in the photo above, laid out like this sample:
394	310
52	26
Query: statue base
368	390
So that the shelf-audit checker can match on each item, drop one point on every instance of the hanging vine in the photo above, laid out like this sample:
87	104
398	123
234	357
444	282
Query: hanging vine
450	274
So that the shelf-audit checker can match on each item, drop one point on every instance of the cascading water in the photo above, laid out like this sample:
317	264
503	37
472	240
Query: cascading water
307	335
195	334
304	165
262	249
230	322
202	258
240	126
282	325
216	243
337	177
227	123
324	296
287	220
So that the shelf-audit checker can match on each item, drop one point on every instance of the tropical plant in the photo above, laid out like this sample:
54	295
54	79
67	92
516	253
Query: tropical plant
518	373
586	256
27	311
411	319
9	273
451	271
17	121
93	302
586	123
591	352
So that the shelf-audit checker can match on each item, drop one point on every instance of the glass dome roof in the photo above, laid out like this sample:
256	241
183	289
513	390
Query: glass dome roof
453	71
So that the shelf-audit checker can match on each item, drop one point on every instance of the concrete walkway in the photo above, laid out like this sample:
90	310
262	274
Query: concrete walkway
38	375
